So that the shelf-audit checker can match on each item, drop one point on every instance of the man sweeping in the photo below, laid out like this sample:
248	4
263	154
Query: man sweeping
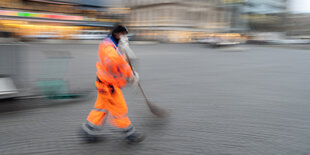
113	73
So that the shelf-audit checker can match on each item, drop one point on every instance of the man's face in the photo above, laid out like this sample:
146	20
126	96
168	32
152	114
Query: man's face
118	35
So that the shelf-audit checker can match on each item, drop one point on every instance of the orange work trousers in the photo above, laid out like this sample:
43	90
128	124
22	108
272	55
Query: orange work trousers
110	101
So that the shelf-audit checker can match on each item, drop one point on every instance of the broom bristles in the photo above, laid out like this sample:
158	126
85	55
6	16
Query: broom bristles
157	111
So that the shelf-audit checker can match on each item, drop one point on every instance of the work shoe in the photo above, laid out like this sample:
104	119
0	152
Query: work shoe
87	137
88	133
135	138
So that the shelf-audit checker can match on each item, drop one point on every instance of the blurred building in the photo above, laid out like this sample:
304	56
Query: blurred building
238	21
53	19
298	25
265	6
177	20
265	15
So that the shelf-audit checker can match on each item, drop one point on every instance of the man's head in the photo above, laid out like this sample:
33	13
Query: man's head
118	31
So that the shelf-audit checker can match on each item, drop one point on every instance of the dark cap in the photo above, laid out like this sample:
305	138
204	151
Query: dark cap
119	28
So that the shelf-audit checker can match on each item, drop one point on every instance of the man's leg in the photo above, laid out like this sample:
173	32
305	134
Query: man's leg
119	118
96	118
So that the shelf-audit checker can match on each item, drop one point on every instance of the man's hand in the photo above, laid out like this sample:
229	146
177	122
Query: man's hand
135	78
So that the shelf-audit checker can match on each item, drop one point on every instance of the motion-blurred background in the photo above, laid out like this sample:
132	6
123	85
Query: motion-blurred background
234	75
163	20
29	23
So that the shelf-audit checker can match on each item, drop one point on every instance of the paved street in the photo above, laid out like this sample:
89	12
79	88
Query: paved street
243	100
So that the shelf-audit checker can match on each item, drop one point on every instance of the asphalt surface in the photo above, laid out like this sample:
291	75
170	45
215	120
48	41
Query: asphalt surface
240	100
